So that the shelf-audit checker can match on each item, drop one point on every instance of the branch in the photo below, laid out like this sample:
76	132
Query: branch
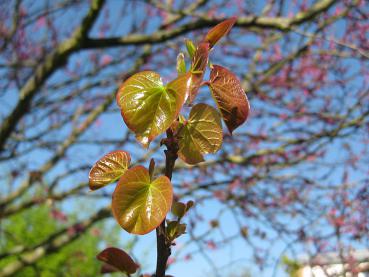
53	61
263	22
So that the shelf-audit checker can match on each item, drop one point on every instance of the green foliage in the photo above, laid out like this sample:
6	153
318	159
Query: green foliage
292	267
32	227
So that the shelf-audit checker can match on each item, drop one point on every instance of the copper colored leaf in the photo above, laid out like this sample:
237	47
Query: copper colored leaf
201	134
229	96
117	258
148	107
198	67
108	169
140	205
220	30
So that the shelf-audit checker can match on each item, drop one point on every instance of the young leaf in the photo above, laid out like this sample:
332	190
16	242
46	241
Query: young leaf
116	258
148	107
179	209
175	229
181	64
220	30
140	205
108	169
201	134
229	96
190	48
198	67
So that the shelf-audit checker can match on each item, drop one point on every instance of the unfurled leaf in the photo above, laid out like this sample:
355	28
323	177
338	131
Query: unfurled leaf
140	205
179	209
229	96
148	107
116	258
175	229
191	48
109	169
220	30
201	134
198	67
181	64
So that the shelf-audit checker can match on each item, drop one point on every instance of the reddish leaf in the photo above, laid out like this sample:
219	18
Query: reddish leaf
116	258
220	30
198	67
106	268
109	169
139	204
229	96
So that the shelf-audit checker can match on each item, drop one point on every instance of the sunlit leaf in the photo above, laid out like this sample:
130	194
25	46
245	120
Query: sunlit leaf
201	134
116	258
148	107
109	169
198	67
220	30
191	48
140	205
229	96
181	64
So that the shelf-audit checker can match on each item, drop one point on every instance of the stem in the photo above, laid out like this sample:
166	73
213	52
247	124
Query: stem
163	247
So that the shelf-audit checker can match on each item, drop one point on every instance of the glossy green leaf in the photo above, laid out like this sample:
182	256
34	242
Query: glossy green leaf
109	169
229	96
198	67
148	107
201	134
140	205
116	258
191	48
220	30
181	64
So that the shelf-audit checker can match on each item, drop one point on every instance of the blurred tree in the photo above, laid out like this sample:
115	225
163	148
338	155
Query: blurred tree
294	179
32	226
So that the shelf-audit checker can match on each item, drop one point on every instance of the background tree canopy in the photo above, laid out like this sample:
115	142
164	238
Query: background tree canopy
293	180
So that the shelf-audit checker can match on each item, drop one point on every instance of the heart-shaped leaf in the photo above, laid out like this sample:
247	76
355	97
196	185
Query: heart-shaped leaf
108	169
140	204
220	30
116	258
229	96
198	67
148	107
201	134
